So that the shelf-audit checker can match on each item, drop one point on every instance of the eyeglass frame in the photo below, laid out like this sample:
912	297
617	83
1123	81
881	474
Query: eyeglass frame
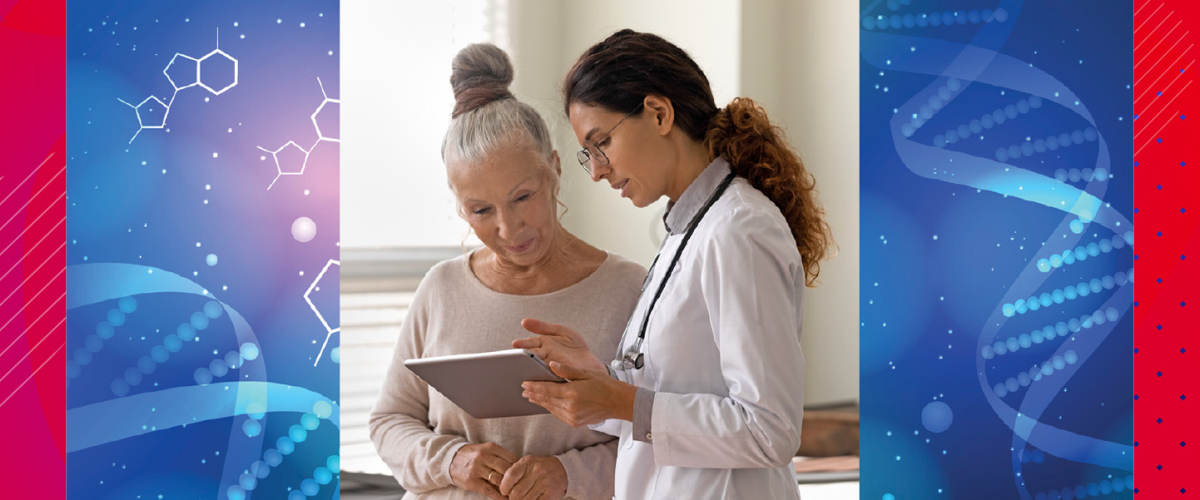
585	157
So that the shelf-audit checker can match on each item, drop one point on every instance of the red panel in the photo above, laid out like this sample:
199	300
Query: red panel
1167	236
32	252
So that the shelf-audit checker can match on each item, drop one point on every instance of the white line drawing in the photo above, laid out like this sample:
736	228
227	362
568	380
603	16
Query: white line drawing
330	331
152	120
307	152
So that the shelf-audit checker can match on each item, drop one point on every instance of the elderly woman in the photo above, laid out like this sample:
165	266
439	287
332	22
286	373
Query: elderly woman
505	174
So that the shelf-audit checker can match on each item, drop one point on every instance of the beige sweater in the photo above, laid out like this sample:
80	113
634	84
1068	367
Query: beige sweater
417	431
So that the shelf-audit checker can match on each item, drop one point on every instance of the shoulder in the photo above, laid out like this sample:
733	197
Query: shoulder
447	275
624	270
745	220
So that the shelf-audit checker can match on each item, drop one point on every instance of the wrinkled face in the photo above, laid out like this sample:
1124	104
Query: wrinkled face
633	149
508	199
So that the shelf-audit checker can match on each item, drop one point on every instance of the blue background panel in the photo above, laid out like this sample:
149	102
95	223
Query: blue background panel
202	249
997	249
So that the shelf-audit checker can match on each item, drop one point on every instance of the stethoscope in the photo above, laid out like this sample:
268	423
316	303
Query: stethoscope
633	357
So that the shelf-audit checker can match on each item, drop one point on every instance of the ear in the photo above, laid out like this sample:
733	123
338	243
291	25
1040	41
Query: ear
662	111
556	163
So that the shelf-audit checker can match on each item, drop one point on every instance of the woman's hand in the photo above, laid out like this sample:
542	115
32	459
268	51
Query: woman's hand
559	343
589	397
535	478
481	467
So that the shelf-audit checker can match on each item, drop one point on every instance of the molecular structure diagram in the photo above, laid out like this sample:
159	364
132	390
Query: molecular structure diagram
279	166
187	72
329	331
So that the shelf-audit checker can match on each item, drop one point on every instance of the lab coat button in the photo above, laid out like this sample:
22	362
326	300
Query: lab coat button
649	437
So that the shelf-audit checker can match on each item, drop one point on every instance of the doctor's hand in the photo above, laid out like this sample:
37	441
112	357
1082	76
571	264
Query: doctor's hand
559	343
590	397
481	468
535	478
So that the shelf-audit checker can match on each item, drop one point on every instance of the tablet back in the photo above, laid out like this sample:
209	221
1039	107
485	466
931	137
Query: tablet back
486	385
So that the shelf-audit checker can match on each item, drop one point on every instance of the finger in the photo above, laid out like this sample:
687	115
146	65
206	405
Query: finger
491	492
527	343
524	487
549	329
568	372
502	452
513	476
494	463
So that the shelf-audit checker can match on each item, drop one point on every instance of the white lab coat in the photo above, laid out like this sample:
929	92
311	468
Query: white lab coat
722	351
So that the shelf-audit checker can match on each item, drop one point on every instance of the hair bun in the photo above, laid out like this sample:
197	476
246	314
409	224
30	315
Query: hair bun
481	74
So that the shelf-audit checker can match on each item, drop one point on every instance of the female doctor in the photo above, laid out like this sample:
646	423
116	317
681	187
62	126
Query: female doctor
706	391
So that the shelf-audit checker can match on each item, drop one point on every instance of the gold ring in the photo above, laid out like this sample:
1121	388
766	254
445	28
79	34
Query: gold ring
489	478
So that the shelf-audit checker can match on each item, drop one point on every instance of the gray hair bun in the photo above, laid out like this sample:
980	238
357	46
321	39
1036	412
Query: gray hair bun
481	75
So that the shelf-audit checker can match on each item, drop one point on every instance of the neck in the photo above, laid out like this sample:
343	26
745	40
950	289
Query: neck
543	267
693	158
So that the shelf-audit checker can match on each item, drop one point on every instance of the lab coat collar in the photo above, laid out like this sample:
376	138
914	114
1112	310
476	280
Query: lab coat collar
680	213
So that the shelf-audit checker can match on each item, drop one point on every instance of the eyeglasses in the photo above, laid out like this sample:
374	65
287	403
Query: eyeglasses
585	156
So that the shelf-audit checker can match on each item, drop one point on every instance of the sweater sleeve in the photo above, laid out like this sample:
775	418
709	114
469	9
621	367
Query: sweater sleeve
591	471
399	424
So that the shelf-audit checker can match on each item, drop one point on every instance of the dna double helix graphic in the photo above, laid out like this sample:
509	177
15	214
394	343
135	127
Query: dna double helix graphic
1048	324
233	386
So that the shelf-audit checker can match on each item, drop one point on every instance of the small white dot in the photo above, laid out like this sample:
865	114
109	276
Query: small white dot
301	25
301	273
197	244
214	154
305	192
209	186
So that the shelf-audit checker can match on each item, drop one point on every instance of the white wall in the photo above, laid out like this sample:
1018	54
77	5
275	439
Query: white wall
797	59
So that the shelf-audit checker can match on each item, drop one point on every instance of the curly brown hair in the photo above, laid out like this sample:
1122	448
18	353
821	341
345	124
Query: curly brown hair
619	72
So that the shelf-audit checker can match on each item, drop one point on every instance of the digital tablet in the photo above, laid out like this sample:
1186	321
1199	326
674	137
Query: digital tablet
486	385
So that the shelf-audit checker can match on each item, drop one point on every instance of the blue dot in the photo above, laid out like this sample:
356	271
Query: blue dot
249	351
211	259
334	463
296	495
127	304
186	332
159	354
116	317
248	481
212	309
236	492
251	428
285	445
260	469
309	487
256	410
203	376
172	343
322	409
146	365
1076	226
310	421
937	416
119	387
273	457
199	321
1160	140
297	433
218	368
104	330
322	475
889	496
1160	186
1160	233
336	355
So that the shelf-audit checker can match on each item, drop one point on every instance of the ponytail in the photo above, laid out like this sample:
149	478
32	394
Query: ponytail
757	151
